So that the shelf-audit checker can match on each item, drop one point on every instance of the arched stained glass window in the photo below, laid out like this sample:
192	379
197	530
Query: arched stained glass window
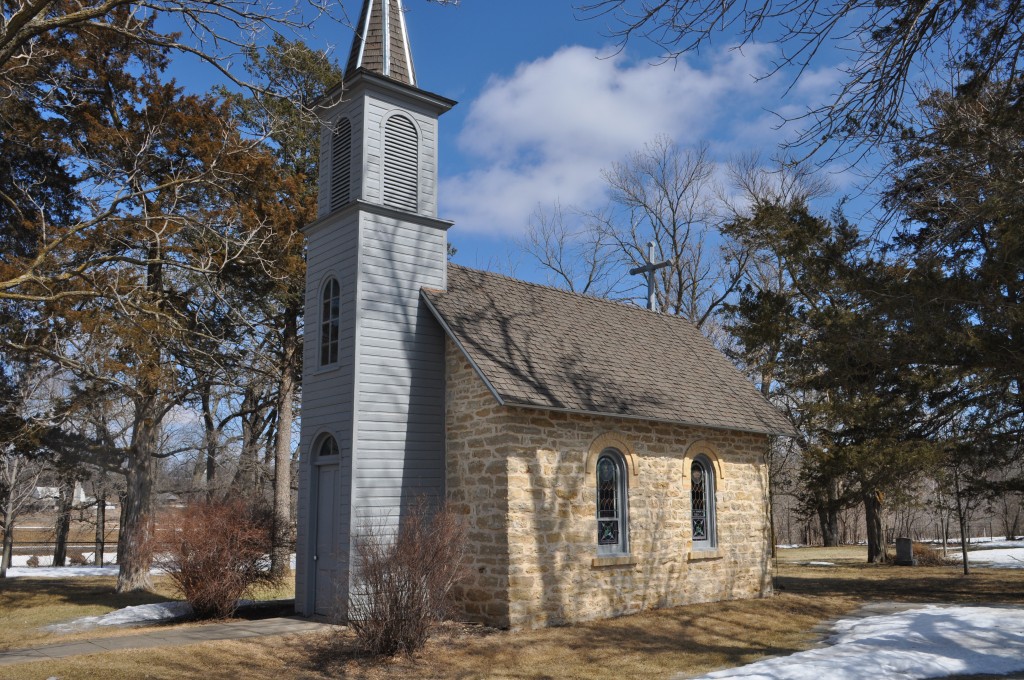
612	504
702	504
330	322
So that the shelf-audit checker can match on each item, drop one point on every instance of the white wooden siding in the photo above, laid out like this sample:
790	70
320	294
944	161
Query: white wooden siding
353	111
401	163
378	108
327	393
384	401
341	164
399	451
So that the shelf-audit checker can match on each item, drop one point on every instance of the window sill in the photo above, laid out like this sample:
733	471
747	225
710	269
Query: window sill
322	370
614	561
704	555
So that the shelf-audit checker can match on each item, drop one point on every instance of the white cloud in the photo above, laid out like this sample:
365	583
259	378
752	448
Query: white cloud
545	133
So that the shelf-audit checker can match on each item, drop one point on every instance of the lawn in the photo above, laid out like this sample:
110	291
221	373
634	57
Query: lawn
660	643
28	605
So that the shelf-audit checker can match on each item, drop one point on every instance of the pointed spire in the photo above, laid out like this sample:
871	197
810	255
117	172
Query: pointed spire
381	44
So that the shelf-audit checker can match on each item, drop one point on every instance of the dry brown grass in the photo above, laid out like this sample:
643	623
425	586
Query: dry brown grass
28	605
654	644
846	554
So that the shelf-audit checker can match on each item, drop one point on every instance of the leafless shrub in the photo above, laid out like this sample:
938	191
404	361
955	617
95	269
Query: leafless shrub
405	581
217	552
924	556
76	558
33	561
927	556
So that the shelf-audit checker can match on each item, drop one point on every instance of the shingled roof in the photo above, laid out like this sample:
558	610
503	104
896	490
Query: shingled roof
381	44
541	347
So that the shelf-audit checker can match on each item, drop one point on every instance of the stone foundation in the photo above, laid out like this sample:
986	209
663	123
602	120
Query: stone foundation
524	480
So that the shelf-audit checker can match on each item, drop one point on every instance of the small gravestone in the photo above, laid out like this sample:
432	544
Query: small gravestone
905	552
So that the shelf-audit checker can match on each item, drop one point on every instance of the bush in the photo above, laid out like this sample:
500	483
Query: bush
76	558
927	556
33	561
405	582
215	552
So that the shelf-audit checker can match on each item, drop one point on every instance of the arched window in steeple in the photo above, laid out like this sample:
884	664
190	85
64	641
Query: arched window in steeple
401	164
341	164
330	322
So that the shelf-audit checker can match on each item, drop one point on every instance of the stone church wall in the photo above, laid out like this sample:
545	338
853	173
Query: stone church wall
477	453
525	480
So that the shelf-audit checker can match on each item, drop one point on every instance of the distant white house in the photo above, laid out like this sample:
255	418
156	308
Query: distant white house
50	495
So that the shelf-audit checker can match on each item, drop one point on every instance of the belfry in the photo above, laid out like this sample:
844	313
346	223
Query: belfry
373	382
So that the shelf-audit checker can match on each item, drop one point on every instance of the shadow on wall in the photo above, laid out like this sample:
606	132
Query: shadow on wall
559	584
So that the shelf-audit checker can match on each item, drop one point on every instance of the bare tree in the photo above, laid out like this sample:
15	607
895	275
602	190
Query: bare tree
19	475
891	44
576	255
21	430
666	193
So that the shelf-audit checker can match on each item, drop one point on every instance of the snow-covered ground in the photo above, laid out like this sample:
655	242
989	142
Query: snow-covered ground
997	558
62	572
135	615
20	570
996	553
47	560
138	614
930	642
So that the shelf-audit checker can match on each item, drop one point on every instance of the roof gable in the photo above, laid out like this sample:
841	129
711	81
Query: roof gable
545	348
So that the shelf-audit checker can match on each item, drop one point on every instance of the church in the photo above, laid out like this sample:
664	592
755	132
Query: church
606	458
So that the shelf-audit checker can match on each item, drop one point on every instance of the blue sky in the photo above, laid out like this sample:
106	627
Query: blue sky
546	101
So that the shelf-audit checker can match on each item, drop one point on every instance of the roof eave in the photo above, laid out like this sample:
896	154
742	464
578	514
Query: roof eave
448	331
669	421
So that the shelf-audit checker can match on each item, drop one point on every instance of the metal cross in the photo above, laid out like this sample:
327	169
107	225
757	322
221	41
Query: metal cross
650	266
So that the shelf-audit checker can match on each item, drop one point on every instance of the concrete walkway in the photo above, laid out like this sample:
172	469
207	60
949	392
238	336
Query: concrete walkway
166	637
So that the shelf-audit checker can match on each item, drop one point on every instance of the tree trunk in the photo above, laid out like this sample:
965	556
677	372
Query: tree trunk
246	477
101	529
828	519
65	497
961	516
135	543
281	554
5	556
211	441
873	508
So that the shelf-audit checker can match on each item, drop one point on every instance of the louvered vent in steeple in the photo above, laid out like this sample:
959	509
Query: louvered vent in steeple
341	164
401	164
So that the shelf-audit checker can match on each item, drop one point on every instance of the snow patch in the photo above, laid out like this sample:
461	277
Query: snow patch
142	613
999	558
930	642
47	560
61	572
